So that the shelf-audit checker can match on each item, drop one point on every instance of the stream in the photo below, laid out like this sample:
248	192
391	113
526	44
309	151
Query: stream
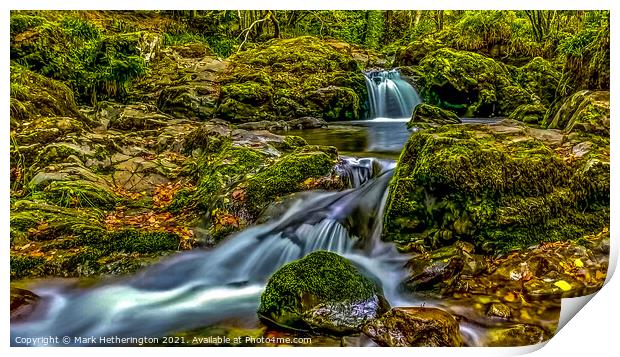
203	287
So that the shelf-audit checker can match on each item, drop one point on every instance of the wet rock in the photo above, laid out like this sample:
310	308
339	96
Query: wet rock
499	310
322	291
425	115
414	327
193	101
23	302
517	335
264	125
306	123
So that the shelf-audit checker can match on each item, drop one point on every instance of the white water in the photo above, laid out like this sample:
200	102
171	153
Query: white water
200	288
389	95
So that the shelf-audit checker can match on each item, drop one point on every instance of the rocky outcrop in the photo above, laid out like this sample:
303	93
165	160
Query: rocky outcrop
499	186
322	291
291	78
585	111
415	327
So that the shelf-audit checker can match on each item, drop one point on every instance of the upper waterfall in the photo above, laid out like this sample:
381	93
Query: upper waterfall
389	95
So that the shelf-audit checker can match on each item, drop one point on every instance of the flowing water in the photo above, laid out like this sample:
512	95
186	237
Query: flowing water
389	95
203	287
200	288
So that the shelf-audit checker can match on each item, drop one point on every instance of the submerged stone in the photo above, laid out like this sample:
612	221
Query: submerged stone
517	335
321	291
415	327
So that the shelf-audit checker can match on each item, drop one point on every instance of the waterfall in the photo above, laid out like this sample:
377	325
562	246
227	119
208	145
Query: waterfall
389	95
202	287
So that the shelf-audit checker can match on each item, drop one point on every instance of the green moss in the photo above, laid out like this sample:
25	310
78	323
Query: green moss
24	265
51	221
497	190
540	77
425	115
78	194
320	277
22	23
284	177
75	51
473	85
143	242
34	95
302	76
529	113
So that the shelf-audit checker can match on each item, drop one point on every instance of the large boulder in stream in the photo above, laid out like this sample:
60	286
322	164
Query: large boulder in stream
322	291
292	78
499	186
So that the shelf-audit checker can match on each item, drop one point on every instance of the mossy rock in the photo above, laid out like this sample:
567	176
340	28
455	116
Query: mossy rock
322	291
585	111
471	84
287	78
540	77
77	52
415	51
34	95
493	185
425	115
285	176
529	113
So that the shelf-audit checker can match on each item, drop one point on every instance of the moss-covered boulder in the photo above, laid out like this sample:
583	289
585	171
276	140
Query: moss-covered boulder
473	85
290	78
499	186
287	174
425	115
34	95
76	51
529	113
322	291
464	81
415	51
541	78
585	111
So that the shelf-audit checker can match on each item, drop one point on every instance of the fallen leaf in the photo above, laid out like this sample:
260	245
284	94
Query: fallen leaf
578	263
562	284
